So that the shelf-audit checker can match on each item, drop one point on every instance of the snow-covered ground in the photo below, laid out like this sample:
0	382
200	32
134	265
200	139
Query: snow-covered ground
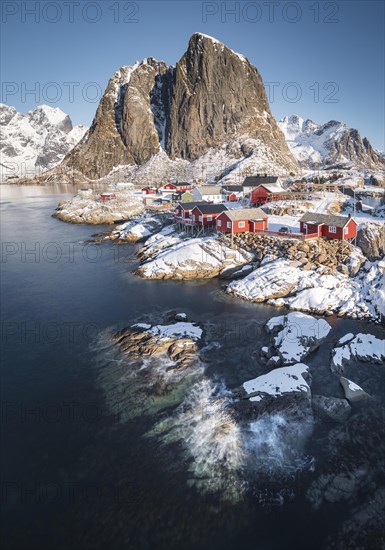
276	222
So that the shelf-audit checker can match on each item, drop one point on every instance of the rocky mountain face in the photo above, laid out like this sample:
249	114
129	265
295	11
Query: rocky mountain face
331	145
210	108
35	142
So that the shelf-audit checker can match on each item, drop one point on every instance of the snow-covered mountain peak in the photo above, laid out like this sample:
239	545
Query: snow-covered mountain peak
37	141
333	144
44	115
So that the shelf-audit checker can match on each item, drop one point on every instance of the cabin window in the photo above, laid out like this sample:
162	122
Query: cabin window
241	224
219	223
305	226
346	230
209	218
229	225
200	218
332	229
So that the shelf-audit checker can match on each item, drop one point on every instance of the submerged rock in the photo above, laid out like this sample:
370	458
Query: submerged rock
331	408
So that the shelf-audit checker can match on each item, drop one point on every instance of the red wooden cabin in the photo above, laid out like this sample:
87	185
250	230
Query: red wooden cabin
206	214
149	190
266	193
329	226
243	220
183	210
107	196
174	187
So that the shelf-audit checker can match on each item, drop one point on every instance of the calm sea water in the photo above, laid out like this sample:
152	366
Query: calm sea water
75	474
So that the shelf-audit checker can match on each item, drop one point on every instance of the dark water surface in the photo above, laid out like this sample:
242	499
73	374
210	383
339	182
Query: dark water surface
74	475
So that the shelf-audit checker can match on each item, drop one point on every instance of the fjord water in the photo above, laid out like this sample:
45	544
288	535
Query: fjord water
77	473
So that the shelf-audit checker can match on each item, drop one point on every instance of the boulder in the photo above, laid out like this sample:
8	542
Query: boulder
363	347
330	408
284	389
371	240
178	341
296	335
353	392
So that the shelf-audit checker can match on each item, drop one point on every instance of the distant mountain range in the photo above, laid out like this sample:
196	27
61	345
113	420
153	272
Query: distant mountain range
330	145
33	143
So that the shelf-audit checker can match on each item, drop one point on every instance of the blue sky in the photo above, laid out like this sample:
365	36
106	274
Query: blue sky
321	60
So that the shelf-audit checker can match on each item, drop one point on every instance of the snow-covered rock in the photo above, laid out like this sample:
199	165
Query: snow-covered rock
194	258
353	392
33	143
176	330
278	383
86	207
165	238
363	347
285	283
371	239
137	230
176	341
272	280
296	335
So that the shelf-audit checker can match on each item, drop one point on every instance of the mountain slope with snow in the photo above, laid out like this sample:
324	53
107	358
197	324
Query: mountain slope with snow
330	145
35	142
211	105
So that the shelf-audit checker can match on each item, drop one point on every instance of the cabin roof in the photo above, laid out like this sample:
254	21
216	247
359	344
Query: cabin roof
179	184
246	214
209	189
254	181
272	188
327	219
232	188
211	208
191	205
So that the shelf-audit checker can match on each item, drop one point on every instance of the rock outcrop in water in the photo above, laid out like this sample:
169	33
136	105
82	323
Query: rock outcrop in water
178	341
87	207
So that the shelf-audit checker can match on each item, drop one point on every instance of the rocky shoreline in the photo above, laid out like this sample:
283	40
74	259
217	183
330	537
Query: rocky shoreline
88	207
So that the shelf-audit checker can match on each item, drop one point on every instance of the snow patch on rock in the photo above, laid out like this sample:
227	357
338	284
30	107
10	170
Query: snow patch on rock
298	335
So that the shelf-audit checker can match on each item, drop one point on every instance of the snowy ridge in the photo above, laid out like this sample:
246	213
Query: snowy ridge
331	144
221	44
35	142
